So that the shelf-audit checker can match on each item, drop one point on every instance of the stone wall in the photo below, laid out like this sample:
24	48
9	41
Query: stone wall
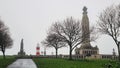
73	56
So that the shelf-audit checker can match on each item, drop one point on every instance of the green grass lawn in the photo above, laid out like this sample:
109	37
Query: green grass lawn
64	63
5	62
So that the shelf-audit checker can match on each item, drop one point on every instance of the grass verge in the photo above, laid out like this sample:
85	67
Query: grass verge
64	63
5	62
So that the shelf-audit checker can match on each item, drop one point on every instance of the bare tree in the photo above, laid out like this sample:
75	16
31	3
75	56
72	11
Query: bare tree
109	23
54	40
5	39
71	31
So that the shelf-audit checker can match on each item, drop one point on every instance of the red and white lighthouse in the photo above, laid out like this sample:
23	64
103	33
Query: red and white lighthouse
38	50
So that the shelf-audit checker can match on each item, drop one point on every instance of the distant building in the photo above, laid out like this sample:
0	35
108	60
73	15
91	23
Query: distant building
86	49
21	52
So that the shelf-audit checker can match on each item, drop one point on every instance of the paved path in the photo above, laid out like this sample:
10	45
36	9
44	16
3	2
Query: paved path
23	63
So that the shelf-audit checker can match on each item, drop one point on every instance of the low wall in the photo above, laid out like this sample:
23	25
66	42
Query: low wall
67	56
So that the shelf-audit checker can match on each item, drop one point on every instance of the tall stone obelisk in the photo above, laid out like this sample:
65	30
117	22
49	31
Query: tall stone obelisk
86	49
21	53
85	28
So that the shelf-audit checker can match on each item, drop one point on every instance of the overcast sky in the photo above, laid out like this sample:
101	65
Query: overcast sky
31	19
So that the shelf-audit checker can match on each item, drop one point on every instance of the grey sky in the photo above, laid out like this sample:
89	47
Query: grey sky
30	19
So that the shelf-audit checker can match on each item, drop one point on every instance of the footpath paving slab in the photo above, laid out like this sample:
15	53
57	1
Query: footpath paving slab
23	63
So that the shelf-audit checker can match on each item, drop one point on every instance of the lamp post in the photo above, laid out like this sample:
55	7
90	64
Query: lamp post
45	51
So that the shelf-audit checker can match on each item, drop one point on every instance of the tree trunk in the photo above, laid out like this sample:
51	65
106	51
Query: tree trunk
56	52
70	54
119	53
3	51
3	54
119	56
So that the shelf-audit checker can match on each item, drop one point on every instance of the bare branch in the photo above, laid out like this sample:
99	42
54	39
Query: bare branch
109	23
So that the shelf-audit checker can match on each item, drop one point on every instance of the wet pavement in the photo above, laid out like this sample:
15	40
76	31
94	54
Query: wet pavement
23	63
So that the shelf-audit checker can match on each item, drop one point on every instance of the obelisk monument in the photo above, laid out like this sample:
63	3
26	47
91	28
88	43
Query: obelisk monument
86	49
21	53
